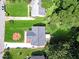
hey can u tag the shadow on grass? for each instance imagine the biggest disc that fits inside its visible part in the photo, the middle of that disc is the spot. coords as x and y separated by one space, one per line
69 38
59 36
40 53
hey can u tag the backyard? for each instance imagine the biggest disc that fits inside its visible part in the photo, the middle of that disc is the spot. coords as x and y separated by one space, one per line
46 3
16 7
19 26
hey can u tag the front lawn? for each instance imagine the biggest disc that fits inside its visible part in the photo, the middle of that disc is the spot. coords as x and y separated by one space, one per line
16 8
19 53
19 26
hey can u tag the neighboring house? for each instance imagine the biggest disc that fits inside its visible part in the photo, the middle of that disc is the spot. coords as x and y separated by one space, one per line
36 8
37 57
36 37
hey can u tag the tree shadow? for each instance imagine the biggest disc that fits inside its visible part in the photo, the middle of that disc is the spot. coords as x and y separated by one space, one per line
39 24
64 36
59 36
39 53
69 37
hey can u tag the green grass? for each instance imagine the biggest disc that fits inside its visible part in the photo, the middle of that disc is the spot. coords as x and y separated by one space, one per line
46 3
19 26
17 8
15 53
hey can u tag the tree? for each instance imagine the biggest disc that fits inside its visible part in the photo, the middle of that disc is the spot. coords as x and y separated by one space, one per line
64 44
63 14
58 46
7 54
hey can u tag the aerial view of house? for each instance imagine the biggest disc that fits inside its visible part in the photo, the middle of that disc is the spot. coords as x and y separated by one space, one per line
36 36
39 29
28 8
20 32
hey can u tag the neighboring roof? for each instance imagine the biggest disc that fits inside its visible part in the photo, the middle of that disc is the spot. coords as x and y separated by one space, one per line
30 33
36 8
42 11
37 57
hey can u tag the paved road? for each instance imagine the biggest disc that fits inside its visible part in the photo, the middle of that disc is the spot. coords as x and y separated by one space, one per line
2 25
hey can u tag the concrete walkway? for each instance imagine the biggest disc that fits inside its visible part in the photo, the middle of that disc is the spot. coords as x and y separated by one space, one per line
24 44
18 18
17 45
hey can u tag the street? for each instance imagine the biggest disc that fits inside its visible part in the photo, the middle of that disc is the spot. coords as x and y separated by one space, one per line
2 25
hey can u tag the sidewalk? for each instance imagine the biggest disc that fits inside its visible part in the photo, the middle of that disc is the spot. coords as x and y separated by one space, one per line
18 18
17 45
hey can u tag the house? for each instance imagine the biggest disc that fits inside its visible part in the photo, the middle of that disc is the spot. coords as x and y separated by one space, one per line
37 57
36 37
36 8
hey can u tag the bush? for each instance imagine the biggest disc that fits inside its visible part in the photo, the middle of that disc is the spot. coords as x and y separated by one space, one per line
7 55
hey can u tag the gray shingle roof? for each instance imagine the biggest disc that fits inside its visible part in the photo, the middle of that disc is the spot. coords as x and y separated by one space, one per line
42 11
39 39
30 33
36 8
37 57
37 35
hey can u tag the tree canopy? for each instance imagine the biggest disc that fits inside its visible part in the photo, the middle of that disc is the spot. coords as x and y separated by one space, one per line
64 44
63 22
63 14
